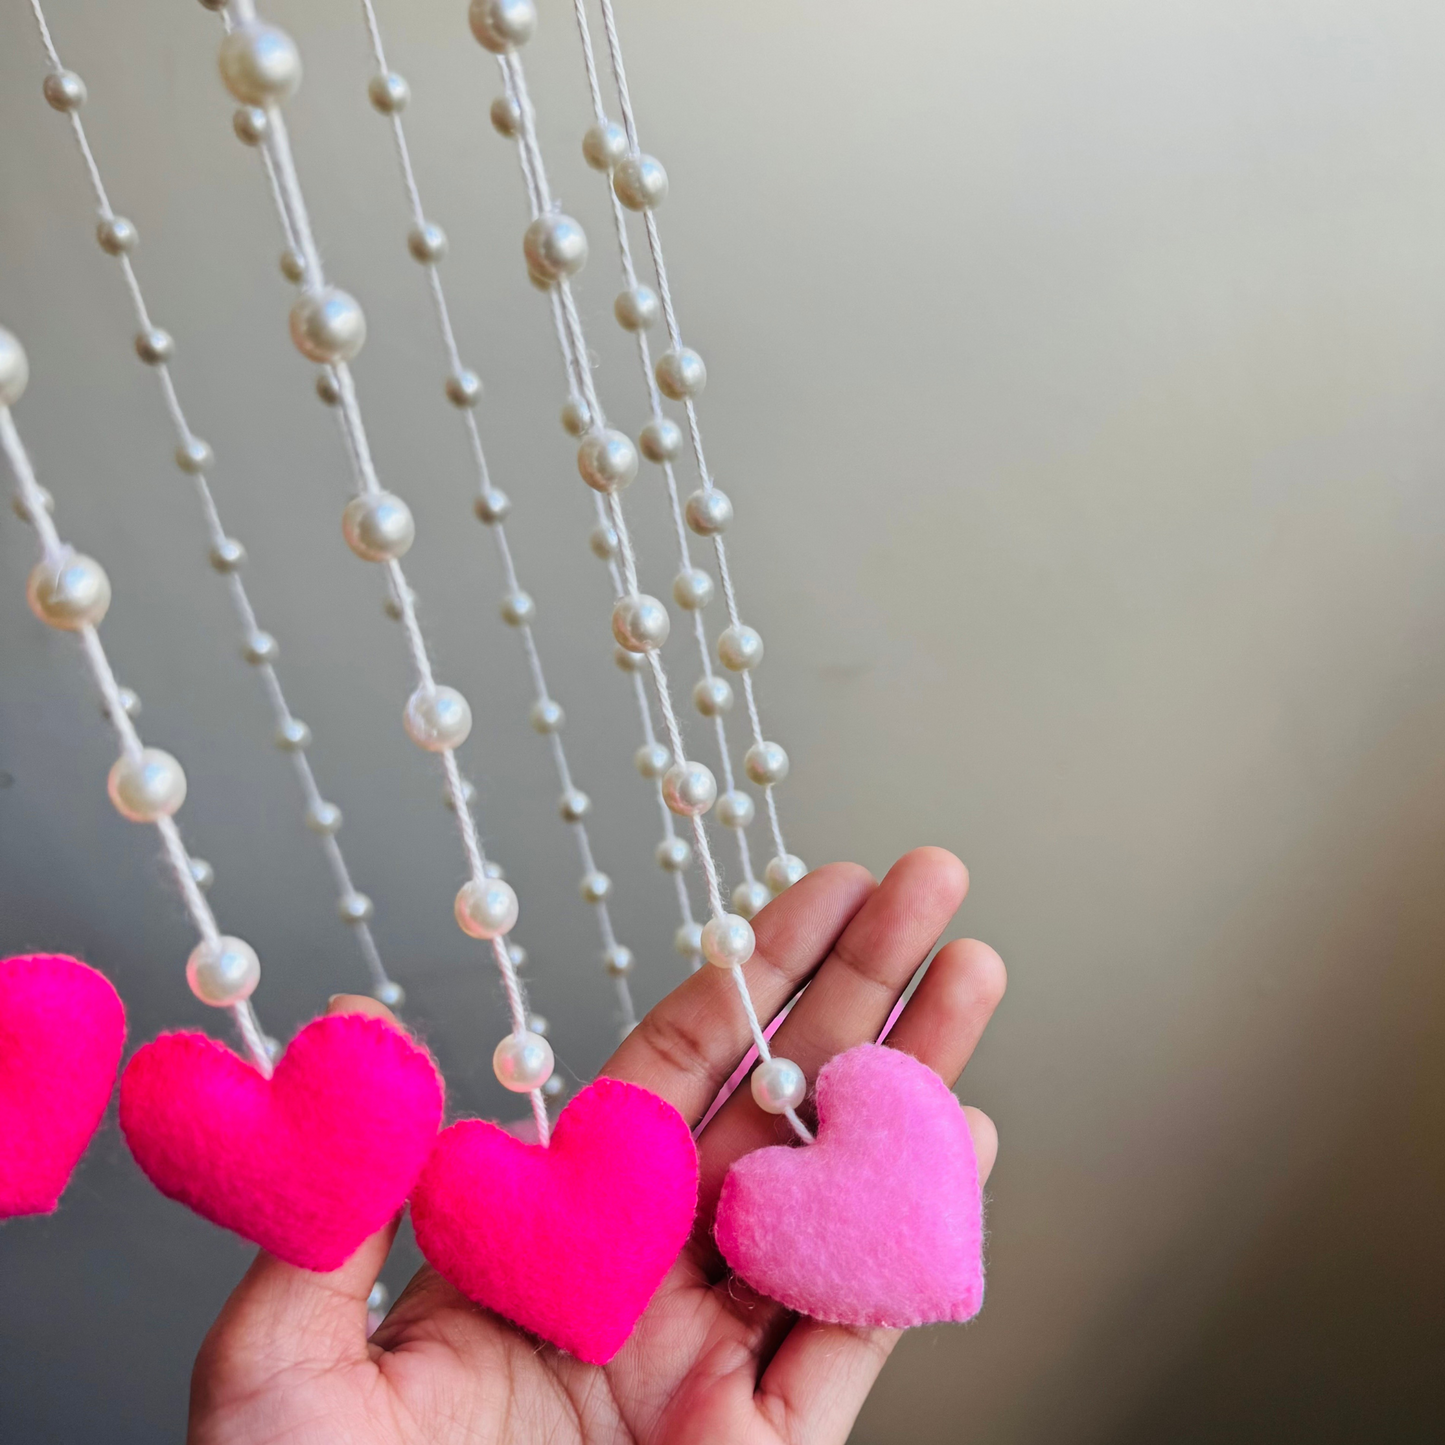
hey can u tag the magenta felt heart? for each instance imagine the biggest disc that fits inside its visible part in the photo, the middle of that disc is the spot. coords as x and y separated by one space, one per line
880 1222
307 1163
62 1028
569 1241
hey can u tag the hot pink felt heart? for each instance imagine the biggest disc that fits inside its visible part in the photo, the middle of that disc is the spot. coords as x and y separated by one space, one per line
880 1222
62 1028
569 1241
307 1163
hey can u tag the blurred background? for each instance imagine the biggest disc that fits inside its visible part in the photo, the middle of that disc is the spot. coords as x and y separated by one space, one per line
1076 372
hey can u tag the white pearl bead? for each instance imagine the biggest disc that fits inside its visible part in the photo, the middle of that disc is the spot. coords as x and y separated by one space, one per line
147 788
117 236
652 760
154 347
640 182
464 388
502 25
492 506
355 907
506 116
439 720
323 817
555 246
518 609
194 457
688 940
488 909
388 93
553 1089
640 623
327 389
523 1062
674 854
740 648
293 736
328 325
226 976
681 373
618 960
202 873
604 542
629 661
736 810
378 526
660 440
749 899
692 589
469 796
766 763
260 64
492 869
392 994
517 954
574 805
71 595
427 243
547 716
712 696
129 703
782 872
537 1024
689 788
604 145
21 507
576 417
727 939
14 369
64 90
607 460
258 647
637 309
293 266
778 1085
708 512
251 124
595 887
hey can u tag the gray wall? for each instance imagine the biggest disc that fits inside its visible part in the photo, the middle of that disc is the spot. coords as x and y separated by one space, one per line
1077 373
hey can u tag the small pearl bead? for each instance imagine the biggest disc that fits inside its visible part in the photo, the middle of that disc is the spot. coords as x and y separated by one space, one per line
323 817
64 90
380 1296
554 1088
327 389
640 182
464 389
547 716
604 542
502 25
574 805
129 703
117 236
202 873
517 954
637 309
607 460
674 854
378 526
486 910
660 440
778 1085
652 760
260 64
492 869
782 872
595 887
740 648
629 661
576 417
355 908
712 696
688 940
293 266
518 609
14 369
225 977
293 736
328 326
21 507
727 940
523 1062
437 721
692 589
708 512
388 93
506 116
735 810
427 243
154 347
392 995
251 124
618 960
258 647
537 1024
749 899
640 623
766 763
150 787
70 596
555 246
194 457
469 796
492 506
689 788
604 145
681 373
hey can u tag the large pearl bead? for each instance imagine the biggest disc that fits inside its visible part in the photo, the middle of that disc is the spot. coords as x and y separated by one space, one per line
438 720
574 805
674 854
117 236
709 512
427 243
555 246
736 810
64 91
71 595
637 309
660 440
378 526
618 960
749 899
681 373
766 763
547 716
523 1062
604 145
506 116
712 696
14 369
146 788
604 542
692 589
595 887
778 1085
260 64
488 909
740 648
328 325
640 182
388 93
727 940
640 623
502 25
688 940
651 759
689 788
576 417
782 872
225 976
607 460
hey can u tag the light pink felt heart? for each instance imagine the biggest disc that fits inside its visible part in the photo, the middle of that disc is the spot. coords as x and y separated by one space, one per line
62 1028
572 1240
307 1163
880 1221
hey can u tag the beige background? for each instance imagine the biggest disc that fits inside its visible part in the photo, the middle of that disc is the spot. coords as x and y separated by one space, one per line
1076 371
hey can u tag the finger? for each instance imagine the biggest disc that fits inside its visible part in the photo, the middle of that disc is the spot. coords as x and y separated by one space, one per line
687 1046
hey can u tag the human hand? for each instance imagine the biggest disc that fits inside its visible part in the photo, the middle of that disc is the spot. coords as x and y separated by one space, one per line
711 1362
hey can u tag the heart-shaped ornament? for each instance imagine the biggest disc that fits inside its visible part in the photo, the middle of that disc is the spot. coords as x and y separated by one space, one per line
307 1163
880 1221
62 1028
570 1240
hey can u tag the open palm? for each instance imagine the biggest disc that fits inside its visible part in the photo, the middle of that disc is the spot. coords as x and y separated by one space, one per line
288 1361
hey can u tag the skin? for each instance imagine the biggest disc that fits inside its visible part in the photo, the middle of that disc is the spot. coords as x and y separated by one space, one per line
710 1363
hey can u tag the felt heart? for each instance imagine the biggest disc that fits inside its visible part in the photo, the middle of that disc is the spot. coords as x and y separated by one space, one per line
307 1163
880 1221
62 1028
570 1240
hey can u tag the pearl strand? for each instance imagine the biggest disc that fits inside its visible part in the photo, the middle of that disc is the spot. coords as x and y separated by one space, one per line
118 237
